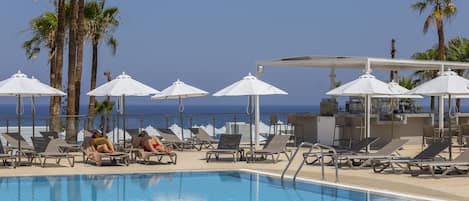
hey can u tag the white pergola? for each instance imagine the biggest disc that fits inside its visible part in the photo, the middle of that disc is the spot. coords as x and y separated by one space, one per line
367 64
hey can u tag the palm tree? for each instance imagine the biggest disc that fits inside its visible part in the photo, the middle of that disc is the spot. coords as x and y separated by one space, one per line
43 29
458 50
56 72
101 23
80 41
440 10
72 54
103 108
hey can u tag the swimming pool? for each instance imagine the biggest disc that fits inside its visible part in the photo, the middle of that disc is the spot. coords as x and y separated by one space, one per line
181 186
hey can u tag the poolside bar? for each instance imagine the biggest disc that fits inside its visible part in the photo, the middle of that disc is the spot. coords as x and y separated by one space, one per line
409 124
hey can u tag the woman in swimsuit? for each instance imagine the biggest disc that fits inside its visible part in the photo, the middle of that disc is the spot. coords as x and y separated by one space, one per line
153 144
102 143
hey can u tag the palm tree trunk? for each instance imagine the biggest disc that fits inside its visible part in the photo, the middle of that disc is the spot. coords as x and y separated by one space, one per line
59 42
72 53
441 40
52 77
94 72
79 67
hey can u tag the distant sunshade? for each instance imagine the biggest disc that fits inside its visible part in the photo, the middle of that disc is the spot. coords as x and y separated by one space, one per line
179 89
249 86
123 85
364 85
398 92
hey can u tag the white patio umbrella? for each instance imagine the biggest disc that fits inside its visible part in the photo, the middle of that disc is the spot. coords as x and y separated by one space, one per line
448 83
398 92
20 85
122 86
250 86
366 86
180 90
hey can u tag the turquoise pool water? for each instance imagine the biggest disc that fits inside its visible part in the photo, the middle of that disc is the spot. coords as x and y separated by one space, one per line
180 186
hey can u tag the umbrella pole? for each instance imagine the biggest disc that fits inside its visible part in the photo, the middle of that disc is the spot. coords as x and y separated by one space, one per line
392 118
123 117
181 120
250 126
450 135
367 127
18 110
33 112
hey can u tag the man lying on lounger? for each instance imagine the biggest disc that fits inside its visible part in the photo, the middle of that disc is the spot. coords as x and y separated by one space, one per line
153 144
102 143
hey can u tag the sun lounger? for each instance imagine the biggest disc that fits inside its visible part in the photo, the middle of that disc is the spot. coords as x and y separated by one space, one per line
202 138
61 143
90 153
354 149
7 157
13 142
49 134
452 165
49 148
428 154
146 155
276 145
387 151
229 144
170 138
65 147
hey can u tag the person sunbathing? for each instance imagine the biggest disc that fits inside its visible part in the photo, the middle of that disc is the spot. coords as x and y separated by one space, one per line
102 143
153 144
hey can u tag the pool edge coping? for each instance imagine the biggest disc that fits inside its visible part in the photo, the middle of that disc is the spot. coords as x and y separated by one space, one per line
307 180
360 188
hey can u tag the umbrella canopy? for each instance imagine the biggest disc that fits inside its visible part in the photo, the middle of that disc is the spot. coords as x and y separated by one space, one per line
178 90
366 84
20 84
123 85
250 86
448 83
398 91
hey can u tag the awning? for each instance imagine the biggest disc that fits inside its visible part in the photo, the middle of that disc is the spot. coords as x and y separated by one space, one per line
362 62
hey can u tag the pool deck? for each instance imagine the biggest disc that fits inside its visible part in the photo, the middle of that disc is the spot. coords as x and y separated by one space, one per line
446 188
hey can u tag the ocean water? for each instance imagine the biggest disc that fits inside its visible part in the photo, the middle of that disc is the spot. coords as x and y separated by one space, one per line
188 186
160 114
212 118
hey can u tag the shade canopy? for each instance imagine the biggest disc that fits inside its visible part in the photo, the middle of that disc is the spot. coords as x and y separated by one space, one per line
20 84
123 85
179 89
249 86
317 61
364 85
398 92
447 83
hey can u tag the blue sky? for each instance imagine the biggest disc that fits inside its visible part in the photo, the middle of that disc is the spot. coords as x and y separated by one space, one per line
212 43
